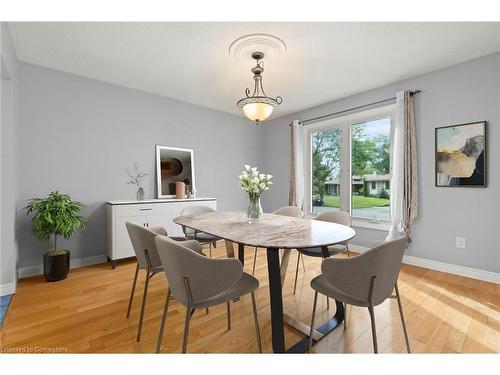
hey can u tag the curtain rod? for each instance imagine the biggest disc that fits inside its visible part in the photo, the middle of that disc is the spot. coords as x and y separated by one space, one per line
414 92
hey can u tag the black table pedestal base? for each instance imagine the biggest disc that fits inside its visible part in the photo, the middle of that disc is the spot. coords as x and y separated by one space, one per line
302 346
278 318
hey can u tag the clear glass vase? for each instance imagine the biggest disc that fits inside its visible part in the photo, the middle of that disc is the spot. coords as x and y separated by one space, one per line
254 212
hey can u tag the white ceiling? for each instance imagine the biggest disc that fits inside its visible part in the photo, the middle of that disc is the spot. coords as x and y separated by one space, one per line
190 61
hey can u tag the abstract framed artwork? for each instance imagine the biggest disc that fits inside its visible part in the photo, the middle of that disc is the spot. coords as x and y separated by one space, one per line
461 155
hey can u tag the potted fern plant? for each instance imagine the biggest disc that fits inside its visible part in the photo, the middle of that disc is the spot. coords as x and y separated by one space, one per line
54 216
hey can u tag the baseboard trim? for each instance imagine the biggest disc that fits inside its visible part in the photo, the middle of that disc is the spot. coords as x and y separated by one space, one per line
73 263
6 289
454 269
473 273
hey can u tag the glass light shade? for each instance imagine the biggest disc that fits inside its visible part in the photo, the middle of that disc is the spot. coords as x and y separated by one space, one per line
257 111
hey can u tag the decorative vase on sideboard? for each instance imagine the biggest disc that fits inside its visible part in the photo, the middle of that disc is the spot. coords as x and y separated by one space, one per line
180 190
140 194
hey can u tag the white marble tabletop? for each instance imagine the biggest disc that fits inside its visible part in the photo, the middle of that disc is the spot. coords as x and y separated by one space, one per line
272 231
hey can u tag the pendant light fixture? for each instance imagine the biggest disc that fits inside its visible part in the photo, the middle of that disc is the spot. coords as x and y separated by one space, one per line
258 107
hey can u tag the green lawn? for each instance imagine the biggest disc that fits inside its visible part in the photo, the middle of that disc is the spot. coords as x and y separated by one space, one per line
358 201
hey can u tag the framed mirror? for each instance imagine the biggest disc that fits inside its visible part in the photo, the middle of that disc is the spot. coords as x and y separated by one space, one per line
173 164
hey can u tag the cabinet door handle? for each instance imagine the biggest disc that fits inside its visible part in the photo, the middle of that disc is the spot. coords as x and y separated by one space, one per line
145 209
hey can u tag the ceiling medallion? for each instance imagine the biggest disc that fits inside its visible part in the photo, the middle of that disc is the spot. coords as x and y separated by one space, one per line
243 47
258 107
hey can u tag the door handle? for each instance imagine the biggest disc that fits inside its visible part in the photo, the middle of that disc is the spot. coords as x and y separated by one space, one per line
145 209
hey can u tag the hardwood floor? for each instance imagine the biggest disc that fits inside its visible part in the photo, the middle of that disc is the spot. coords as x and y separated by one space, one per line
86 314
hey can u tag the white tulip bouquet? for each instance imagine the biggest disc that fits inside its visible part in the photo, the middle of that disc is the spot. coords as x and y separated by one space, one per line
254 184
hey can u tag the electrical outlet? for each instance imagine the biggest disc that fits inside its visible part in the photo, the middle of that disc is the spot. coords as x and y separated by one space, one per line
460 242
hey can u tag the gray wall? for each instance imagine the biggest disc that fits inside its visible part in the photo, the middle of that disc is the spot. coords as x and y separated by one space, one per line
77 135
466 92
9 177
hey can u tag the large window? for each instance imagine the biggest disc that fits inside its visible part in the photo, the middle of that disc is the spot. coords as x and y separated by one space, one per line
348 165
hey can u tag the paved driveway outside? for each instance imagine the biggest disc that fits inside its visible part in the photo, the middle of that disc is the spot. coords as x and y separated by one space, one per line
371 213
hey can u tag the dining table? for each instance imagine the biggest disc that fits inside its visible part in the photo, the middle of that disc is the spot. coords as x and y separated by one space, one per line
272 233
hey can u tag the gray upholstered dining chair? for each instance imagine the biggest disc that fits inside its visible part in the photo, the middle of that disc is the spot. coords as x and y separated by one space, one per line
365 280
200 282
291 211
142 239
191 234
337 217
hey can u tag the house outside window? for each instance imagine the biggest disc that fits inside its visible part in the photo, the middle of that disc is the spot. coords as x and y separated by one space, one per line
347 162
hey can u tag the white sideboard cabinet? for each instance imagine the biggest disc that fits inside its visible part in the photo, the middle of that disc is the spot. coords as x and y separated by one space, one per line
149 213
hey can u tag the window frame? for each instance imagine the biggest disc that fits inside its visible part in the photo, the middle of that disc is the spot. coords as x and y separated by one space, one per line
344 123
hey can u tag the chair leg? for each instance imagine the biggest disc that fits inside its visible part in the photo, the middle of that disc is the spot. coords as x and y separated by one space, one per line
345 316
141 318
254 261
228 304
327 299
189 314
256 320
296 273
210 249
303 263
312 320
163 319
374 329
133 290
408 349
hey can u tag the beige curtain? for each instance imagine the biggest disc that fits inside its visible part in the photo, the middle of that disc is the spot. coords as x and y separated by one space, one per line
410 193
404 179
